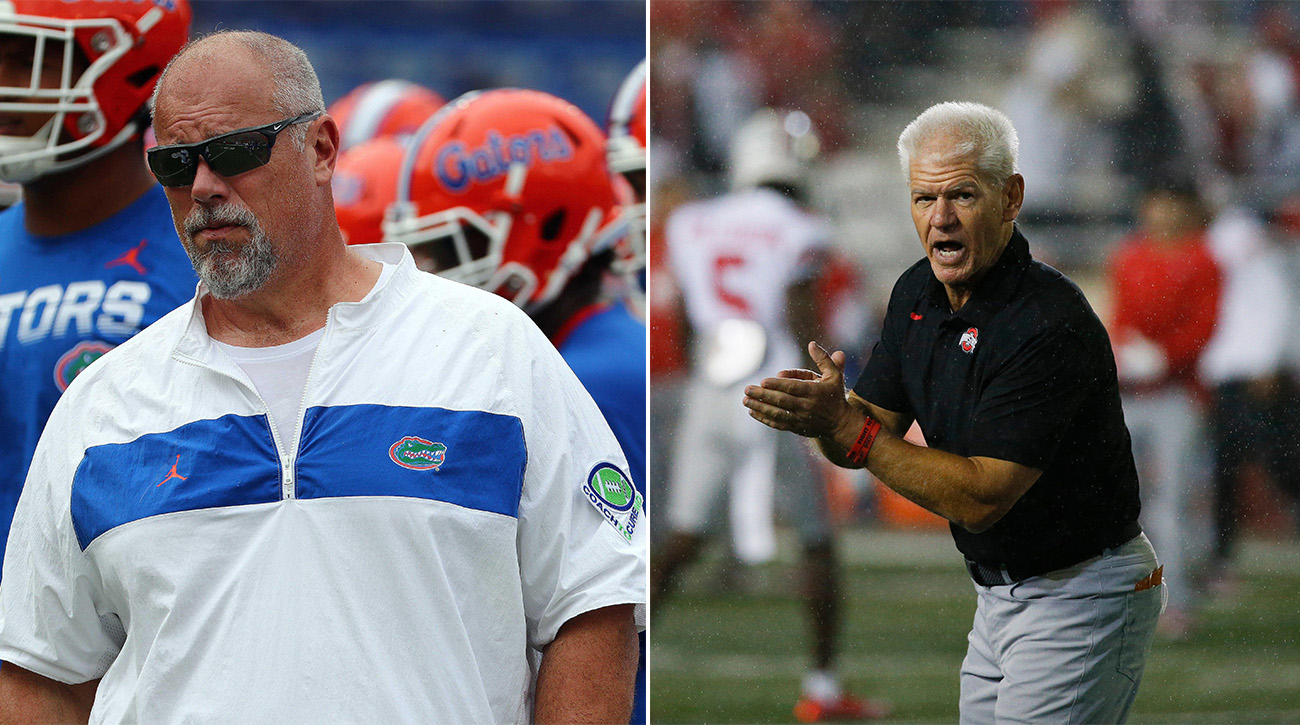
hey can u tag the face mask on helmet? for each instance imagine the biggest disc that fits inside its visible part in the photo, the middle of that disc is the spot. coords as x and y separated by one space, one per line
627 124
77 76
629 251
455 243
507 190
626 155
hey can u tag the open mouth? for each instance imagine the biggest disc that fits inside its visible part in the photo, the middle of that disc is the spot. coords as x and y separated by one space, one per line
948 252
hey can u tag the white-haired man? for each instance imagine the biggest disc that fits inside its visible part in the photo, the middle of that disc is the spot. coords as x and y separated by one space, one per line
332 488
1012 379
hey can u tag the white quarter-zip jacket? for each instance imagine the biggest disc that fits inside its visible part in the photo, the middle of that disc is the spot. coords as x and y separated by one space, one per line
454 498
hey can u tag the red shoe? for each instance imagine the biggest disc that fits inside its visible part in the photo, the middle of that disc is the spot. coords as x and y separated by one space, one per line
847 707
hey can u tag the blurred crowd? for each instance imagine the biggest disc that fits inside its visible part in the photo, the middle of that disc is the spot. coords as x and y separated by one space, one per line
1160 144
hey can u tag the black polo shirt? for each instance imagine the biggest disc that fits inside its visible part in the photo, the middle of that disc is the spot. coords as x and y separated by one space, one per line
1023 372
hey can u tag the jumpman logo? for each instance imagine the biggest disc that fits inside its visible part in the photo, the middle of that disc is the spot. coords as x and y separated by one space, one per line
131 258
172 474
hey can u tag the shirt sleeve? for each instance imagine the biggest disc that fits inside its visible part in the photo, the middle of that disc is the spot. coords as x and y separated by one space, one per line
1029 405
54 620
1191 322
582 533
881 381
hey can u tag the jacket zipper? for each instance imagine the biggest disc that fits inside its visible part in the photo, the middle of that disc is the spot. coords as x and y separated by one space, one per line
288 482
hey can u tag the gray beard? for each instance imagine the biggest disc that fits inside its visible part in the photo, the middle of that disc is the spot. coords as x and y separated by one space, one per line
228 278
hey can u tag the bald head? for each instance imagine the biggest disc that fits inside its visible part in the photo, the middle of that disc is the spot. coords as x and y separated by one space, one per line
259 68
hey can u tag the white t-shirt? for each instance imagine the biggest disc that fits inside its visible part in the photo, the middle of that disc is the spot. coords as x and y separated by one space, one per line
279 373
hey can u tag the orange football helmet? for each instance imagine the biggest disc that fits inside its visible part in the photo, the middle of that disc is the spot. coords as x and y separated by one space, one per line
507 190
365 183
384 108
124 46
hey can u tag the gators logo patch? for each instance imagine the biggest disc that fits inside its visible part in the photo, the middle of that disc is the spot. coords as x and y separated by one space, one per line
72 362
418 454
613 495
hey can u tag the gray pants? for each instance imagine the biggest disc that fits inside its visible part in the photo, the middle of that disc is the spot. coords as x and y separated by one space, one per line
1065 647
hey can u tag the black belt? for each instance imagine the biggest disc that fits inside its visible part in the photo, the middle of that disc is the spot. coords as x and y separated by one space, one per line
992 576
987 576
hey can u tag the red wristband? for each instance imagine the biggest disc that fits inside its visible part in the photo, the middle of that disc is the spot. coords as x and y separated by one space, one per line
867 436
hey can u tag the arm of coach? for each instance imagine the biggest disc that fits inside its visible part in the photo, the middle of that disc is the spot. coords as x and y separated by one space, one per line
974 492
28 697
604 641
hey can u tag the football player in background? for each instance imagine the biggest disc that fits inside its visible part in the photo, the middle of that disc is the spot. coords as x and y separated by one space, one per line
626 153
392 108
508 190
519 202
748 263
376 123
89 257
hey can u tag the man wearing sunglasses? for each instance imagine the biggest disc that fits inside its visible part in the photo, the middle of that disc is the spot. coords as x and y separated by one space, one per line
331 488
89 256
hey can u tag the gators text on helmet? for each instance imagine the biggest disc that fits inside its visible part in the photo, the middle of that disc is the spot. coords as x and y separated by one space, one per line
507 190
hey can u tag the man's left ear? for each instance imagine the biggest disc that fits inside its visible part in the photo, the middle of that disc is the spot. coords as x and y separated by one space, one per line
326 148
1014 196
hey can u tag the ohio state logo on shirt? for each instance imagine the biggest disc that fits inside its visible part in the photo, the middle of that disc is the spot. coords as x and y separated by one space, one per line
968 340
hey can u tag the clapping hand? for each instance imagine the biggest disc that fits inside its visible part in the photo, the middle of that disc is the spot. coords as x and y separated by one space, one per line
811 404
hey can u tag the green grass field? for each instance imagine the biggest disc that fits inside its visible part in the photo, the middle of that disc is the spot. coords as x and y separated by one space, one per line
726 657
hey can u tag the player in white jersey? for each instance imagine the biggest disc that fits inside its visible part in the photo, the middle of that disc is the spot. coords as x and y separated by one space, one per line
747 263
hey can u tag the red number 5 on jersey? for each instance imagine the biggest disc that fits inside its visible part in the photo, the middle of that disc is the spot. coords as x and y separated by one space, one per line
725 295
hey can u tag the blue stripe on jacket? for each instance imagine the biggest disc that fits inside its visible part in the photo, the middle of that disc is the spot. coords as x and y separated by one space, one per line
472 459
347 450
226 461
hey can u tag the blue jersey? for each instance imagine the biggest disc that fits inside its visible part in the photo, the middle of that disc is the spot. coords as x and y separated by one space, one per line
66 300
606 349
605 345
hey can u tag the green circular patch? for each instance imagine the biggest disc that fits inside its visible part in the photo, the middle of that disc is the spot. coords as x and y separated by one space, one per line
612 487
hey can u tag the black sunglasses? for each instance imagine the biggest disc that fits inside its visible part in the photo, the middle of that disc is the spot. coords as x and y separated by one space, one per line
229 154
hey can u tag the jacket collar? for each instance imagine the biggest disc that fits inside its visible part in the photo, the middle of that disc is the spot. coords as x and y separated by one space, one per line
376 306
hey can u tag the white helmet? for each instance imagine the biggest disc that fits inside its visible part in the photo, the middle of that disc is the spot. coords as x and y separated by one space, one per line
773 147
